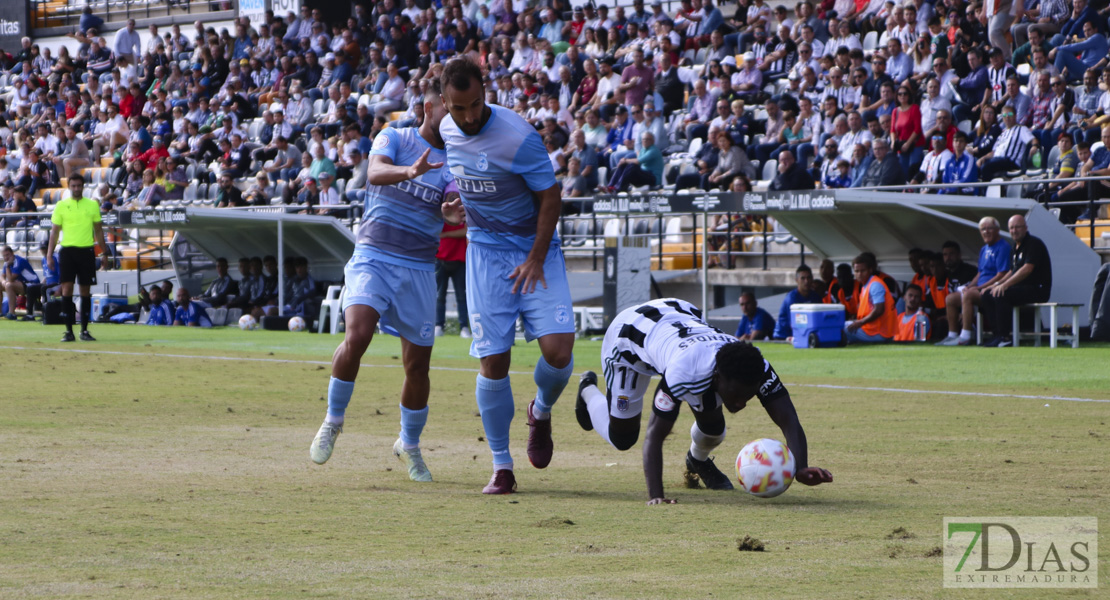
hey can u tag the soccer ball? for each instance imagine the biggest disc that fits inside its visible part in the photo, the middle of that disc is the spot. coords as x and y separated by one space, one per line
296 324
765 468
247 323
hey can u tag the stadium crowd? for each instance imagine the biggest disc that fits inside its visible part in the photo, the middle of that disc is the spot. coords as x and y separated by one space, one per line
837 93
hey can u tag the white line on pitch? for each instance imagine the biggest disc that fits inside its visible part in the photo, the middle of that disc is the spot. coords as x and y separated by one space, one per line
469 370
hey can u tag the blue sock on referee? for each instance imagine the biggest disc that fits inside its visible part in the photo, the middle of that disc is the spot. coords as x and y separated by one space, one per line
495 404
339 396
412 425
549 384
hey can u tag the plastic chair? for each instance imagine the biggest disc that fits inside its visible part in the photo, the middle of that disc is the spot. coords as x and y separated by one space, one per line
870 41
332 307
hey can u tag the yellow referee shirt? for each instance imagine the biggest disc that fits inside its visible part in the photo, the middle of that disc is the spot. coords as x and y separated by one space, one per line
76 219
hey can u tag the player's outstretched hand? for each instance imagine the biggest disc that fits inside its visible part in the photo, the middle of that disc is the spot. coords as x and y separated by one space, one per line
813 476
655 501
526 275
453 212
422 166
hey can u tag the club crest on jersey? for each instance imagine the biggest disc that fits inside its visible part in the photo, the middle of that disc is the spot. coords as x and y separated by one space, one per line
622 403
381 142
562 315
664 402
483 161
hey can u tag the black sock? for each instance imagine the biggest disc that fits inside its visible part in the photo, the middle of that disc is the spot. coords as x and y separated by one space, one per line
86 309
70 310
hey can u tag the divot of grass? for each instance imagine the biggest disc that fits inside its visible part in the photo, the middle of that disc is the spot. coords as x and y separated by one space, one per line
750 544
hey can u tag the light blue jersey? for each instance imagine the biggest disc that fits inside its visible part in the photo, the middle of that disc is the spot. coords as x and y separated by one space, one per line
497 173
401 223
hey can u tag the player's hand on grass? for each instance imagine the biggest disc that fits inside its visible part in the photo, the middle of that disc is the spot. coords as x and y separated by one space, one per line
813 476
422 166
526 275
655 501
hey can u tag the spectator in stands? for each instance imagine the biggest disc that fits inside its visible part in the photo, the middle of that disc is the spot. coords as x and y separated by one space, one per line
1092 50
755 323
963 302
960 168
218 290
932 167
229 195
1011 150
885 169
644 169
189 313
876 321
18 278
1028 280
731 161
802 294
791 175
907 132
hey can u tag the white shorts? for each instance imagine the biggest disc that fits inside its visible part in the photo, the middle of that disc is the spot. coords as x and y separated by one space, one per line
626 376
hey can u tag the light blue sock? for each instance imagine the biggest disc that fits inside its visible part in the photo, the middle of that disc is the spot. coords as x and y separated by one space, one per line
339 396
412 424
550 383
495 403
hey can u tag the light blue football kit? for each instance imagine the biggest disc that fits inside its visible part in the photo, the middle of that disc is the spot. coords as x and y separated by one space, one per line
498 173
393 266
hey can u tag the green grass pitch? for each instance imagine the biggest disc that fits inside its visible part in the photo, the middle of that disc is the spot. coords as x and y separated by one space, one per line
173 463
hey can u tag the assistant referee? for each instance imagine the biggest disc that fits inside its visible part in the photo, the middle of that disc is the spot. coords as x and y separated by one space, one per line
77 219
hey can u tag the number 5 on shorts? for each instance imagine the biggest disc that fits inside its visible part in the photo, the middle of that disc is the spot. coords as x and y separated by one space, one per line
476 326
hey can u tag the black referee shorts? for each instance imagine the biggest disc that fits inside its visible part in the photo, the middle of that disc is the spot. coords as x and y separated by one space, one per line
77 265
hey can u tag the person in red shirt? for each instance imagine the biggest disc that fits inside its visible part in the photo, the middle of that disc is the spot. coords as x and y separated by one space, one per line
156 153
451 266
132 103
905 130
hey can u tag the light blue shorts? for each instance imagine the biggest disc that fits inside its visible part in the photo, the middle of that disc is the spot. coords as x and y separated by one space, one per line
494 308
404 297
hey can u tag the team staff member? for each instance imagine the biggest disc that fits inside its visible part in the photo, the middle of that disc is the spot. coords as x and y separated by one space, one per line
876 320
77 219
1029 280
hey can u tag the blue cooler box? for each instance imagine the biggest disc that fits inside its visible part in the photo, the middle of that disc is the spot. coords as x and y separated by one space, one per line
818 325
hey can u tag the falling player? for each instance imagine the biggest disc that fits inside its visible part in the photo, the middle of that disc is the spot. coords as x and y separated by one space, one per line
701 366
391 277
514 263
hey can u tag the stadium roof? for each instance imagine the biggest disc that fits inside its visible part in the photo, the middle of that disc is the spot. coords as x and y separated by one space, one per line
230 233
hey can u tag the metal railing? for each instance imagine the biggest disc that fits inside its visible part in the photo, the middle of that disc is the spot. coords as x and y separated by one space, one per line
726 245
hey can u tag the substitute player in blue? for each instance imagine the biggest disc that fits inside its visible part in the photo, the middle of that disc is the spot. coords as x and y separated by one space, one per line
512 201
391 277
17 276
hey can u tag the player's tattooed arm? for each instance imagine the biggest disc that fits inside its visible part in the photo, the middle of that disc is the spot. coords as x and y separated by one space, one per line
782 412
657 431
